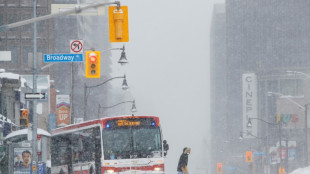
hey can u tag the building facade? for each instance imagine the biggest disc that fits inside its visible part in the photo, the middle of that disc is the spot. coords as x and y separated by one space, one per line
266 38
19 41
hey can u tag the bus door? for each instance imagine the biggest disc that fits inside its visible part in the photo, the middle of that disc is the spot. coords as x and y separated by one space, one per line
61 156
86 151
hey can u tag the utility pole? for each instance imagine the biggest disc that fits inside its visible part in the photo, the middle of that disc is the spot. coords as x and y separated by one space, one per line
72 94
280 134
85 101
306 133
34 108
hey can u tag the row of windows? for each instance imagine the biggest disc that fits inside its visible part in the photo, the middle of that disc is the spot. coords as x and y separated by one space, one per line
24 55
12 15
80 146
287 87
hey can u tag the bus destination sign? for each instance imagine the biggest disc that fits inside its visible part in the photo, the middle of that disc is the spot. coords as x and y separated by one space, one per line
128 123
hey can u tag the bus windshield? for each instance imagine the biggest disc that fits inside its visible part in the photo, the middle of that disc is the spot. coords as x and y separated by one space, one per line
131 142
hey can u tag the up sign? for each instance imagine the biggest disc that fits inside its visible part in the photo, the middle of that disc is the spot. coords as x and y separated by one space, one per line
62 110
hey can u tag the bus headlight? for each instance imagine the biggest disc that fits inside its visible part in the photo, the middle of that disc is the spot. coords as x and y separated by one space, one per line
109 171
158 169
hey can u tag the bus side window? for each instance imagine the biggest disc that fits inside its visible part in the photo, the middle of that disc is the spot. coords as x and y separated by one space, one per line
75 151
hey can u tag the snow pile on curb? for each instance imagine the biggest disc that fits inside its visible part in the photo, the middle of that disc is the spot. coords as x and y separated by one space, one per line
305 170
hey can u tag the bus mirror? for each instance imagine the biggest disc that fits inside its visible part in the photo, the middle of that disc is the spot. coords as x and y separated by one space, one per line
166 147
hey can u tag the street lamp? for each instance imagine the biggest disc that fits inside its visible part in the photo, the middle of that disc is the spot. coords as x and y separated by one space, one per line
288 97
133 107
297 72
250 134
124 87
122 60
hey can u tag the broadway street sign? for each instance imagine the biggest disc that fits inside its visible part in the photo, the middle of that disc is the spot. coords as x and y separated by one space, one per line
29 96
63 57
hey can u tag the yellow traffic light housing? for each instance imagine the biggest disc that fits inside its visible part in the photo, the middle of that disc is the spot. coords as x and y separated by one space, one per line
118 24
219 168
92 64
24 118
248 156
281 170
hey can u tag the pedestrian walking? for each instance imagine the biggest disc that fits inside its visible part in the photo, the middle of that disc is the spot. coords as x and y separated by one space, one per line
182 165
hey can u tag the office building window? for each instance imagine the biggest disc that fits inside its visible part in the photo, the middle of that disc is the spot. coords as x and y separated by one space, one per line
2 45
13 3
28 27
292 87
14 54
26 3
11 19
41 26
2 3
26 50
1 19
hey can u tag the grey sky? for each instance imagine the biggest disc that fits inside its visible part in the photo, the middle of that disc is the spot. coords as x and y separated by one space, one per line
169 72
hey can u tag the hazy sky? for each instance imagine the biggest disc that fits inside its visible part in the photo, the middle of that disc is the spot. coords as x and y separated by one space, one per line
168 72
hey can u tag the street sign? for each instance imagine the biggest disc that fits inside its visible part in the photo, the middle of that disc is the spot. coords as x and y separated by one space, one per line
63 57
41 168
259 153
76 46
29 96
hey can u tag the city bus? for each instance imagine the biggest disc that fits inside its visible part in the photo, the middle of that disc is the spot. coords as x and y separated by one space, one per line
113 145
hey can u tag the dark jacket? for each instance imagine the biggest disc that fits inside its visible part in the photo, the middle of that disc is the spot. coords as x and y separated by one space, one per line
182 162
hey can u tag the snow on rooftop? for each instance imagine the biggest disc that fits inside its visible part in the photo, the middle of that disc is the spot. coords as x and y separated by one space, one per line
9 75
305 170
2 118
23 81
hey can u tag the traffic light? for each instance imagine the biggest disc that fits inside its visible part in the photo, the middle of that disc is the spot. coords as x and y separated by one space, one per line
24 118
219 168
248 156
92 64
281 170
118 24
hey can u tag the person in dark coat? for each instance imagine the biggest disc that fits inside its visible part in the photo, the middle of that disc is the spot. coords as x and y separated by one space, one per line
183 161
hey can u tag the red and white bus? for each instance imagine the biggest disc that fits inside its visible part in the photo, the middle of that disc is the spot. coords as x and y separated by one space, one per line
114 145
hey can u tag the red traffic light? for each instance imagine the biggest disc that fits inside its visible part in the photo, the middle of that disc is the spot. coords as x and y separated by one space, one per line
219 168
92 57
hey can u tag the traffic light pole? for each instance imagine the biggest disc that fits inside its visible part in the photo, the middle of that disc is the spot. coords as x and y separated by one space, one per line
78 9
34 108
306 133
